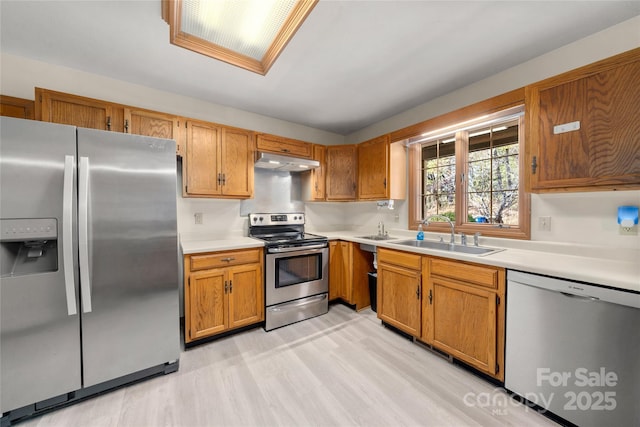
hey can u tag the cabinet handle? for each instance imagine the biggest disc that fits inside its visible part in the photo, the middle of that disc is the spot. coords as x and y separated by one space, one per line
224 179
228 259
219 179
430 297
418 292
285 150
230 286
534 165
226 286
126 126
108 122
385 183
354 186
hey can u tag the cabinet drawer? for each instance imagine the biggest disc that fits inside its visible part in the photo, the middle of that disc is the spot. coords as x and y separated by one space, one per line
279 145
403 259
224 259
473 274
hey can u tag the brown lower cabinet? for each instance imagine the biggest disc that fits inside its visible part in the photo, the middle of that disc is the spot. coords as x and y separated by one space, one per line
223 291
455 306
348 268
399 289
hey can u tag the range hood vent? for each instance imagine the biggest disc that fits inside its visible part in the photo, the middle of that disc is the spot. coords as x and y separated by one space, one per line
278 162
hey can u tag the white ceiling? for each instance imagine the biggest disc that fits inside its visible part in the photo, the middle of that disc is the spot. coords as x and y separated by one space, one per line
351 64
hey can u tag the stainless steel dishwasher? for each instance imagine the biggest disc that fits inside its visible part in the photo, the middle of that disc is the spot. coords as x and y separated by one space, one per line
574 349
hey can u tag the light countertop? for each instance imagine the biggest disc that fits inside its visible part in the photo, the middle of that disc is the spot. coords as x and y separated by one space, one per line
575 262
227 244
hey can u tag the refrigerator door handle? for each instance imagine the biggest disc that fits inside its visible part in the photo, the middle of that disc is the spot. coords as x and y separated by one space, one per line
83 233
67 235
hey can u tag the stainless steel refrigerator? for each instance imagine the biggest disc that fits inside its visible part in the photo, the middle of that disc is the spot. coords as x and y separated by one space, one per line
89 264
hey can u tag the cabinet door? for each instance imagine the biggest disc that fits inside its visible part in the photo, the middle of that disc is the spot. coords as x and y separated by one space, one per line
151 123
203 176
602 153
237 162
207 300
345 291
78 111
335 270
17 107
318 175
464 322
284 146
373 169
399 297
342 167
246 301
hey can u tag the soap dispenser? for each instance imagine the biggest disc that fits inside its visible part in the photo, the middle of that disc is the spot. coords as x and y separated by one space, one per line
420 235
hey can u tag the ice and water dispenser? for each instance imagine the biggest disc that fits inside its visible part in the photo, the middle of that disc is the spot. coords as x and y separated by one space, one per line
28 246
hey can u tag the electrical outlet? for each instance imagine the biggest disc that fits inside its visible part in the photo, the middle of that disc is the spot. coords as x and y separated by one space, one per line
198 217
629 231
544 223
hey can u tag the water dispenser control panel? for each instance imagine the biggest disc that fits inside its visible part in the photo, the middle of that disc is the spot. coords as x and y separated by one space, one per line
23 229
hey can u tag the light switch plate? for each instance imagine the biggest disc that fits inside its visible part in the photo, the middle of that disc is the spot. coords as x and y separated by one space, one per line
198 217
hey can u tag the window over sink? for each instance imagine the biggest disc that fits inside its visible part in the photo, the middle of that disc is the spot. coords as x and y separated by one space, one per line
471 171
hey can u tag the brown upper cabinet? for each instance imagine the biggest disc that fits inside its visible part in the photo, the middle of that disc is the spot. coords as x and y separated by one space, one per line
342 167
17 107
219 161
382 170
284 146
313 181
152 123
58 107
584 132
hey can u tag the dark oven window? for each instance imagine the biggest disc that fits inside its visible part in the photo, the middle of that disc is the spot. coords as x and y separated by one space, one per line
298 269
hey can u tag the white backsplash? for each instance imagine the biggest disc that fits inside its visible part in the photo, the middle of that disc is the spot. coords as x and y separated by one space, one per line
582 218
586 218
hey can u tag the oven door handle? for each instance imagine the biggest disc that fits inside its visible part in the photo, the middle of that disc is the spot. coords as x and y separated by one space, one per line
296 249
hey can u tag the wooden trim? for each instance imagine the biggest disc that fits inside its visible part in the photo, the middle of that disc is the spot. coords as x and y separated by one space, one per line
27 105
172 14
589 70
295 19
491 105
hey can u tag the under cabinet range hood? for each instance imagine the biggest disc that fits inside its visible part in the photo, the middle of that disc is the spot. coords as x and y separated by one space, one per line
284 163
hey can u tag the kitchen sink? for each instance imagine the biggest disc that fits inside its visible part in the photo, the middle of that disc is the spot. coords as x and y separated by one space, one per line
442 246
377 237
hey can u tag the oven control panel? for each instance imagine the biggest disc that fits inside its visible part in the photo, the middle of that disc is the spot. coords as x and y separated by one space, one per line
276 219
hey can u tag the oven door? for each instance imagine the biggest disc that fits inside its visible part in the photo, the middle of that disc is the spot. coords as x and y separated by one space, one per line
296 272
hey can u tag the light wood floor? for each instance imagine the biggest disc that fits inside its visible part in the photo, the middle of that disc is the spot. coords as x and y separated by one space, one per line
340 369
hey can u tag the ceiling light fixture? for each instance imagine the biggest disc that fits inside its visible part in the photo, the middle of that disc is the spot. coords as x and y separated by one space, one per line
249 34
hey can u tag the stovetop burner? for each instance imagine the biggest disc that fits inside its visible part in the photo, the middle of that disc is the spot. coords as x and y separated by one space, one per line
281 229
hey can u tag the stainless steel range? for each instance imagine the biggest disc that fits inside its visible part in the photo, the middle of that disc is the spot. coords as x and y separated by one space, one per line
296 268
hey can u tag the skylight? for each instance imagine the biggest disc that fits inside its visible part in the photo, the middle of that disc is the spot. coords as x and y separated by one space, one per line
245 33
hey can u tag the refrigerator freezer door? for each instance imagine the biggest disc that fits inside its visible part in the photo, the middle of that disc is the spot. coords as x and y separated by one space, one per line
39 339
132 254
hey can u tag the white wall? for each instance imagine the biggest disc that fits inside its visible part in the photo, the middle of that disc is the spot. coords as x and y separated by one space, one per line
589 218
19 76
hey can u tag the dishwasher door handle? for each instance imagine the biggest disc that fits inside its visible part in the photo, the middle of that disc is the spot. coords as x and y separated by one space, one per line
584 297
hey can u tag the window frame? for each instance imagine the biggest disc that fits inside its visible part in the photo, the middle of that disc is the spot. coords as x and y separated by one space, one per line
493 105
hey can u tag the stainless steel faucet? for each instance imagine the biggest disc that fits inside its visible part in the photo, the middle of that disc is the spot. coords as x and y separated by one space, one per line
430 219
463 239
